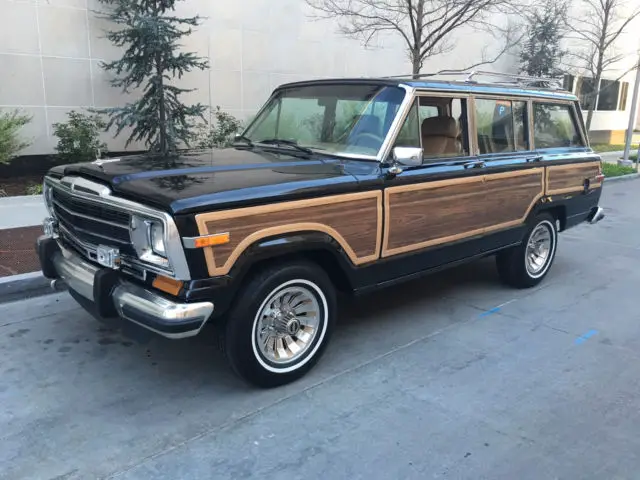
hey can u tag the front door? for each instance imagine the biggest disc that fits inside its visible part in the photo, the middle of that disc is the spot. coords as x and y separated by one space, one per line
457 204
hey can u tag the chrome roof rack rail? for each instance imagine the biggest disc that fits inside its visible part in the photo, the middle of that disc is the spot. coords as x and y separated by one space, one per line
509 78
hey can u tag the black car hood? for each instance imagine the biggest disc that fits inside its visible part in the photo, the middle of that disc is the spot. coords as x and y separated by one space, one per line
216 179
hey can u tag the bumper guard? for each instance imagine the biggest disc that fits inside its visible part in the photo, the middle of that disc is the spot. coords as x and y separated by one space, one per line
130 301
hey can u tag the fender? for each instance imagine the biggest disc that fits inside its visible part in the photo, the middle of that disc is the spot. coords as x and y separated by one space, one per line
313 245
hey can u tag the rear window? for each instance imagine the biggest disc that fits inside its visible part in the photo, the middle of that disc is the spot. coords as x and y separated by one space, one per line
501 125
554 126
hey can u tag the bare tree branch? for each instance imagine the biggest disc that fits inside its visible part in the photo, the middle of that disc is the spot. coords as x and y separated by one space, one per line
426 26
600 25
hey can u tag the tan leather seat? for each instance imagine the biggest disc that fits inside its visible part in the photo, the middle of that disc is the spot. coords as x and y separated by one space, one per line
440 136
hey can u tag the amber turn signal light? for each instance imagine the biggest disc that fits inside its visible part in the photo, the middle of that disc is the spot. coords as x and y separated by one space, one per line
168 285
211 240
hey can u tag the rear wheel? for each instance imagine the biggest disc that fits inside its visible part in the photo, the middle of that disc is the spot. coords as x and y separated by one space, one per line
281 323
527 264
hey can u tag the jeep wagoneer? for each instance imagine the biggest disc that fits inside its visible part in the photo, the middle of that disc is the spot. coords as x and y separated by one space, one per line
336 185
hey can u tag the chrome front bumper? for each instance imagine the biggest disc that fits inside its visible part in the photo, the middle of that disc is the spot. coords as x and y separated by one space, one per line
132 302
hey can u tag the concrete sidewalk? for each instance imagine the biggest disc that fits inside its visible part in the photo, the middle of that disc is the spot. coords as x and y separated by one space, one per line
23 211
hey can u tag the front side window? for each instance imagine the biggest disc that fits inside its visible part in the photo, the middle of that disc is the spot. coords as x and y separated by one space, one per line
501 125
444 130
554 126
348 119
438 125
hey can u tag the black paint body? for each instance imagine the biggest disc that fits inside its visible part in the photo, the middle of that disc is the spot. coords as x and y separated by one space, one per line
214 180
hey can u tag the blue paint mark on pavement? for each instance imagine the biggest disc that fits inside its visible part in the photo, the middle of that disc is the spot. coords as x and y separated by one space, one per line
583 338
489 312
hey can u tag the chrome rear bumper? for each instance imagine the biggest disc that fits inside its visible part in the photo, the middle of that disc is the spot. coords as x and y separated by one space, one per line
597 214
131 302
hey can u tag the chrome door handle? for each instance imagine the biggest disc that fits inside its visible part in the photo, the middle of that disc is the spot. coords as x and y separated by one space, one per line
474 164
534 159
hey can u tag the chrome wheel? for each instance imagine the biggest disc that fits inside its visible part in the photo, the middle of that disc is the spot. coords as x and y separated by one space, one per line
539 249
288 325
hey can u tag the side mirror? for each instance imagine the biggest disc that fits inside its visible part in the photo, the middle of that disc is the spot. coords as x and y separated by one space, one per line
408 155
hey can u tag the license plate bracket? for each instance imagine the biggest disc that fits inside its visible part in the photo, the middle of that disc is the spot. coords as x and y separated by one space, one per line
108 257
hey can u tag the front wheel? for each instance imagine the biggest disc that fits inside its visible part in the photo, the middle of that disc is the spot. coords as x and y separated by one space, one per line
281 323
527 264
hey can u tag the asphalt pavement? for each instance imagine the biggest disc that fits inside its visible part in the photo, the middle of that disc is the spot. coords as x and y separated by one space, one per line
453 376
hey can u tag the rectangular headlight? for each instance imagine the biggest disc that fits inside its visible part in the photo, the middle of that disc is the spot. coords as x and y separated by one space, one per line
147 236
156 236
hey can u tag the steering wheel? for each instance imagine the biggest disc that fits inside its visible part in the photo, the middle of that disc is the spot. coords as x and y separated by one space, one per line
371 140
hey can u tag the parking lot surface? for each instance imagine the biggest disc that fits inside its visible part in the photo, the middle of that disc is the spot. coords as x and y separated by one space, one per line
451 376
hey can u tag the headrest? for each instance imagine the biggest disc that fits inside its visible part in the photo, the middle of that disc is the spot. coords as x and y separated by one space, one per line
439 127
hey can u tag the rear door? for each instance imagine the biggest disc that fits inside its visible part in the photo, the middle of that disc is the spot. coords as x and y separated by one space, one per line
514 173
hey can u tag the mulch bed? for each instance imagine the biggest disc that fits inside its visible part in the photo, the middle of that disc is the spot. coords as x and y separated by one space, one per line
15 186
17 250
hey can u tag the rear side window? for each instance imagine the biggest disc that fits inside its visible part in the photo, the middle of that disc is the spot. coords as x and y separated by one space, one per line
501 125
554 126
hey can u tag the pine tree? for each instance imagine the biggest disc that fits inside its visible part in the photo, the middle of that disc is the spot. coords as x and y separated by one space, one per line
541 53
150 35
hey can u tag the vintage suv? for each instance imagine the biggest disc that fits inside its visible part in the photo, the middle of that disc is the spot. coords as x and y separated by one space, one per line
336 185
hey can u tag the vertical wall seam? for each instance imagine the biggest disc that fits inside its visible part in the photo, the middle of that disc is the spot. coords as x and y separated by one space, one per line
40 56
86 14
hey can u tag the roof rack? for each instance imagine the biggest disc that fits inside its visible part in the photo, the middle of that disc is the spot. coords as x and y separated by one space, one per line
521 80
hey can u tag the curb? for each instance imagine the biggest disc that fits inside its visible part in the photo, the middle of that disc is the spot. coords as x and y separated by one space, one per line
24 286
622 178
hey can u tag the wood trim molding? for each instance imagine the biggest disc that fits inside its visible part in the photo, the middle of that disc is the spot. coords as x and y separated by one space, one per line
387 252
214 269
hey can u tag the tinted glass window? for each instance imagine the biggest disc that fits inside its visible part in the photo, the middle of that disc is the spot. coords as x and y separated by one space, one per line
350 119
444 130
409 135
554 126
501 125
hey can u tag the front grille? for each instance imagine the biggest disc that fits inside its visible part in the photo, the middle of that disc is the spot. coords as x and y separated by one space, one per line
86 224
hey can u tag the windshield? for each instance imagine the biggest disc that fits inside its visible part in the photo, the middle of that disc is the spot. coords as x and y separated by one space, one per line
336 119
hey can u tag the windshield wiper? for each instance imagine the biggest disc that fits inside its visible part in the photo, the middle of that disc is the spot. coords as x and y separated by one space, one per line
290 143
247 140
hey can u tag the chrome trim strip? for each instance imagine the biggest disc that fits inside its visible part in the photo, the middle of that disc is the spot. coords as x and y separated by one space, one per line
398 122
103 196
94 219
190 242
105 237
79 274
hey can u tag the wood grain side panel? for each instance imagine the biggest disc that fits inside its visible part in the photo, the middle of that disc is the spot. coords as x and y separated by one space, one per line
353 220
570 178
509 199
418 216
434 213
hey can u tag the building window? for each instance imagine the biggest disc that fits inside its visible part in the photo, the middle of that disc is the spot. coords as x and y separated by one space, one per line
586 92
568 82
610 96
623 96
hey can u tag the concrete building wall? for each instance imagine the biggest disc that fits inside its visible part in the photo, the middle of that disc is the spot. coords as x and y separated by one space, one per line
50 54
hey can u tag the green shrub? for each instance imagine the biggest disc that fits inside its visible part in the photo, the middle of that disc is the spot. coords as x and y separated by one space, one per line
615 170
79 137
10 142
34 189
219 134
